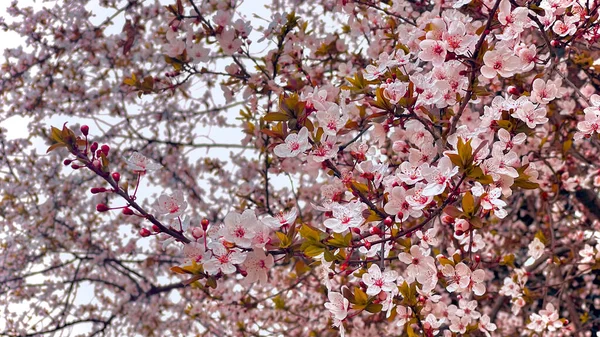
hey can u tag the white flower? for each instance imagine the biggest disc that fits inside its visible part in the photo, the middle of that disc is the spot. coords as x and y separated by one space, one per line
295 143
140 164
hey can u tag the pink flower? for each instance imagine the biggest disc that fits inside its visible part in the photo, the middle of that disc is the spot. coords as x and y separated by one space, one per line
257 265
281 219
295 143
438 177
138 163
459 277
337 305
503 63
565 28
405 314
194 251
345 216
240 228
434 51
419 265
531 115
172 205
223 259
486 326
332 119
377 281
543 92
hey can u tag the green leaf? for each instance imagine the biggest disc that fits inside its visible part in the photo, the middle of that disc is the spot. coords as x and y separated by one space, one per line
360 296
468 204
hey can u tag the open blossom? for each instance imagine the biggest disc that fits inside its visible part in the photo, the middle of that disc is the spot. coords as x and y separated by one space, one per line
194 251
240 228
419 265
398 206
257 265
591 123
345 216
138 163
434 51
497 62
377 281
331 120
438 177
531 115
295 143
536 250
543 92
404 315
337 305
281 219
223 259
459 277
172 205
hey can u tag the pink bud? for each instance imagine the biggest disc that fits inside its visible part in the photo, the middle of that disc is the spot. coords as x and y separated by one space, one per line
388 221
197 232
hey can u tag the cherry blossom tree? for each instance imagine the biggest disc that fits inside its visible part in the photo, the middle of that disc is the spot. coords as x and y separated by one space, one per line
405 168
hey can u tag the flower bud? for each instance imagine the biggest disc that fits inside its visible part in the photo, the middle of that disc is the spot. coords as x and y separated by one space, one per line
367 244
67 162
376 230
145 232
204 223
388 221
197 232
116 176
94 147
155 229
75 166
127 211
85 129
96 190
104 148
102 208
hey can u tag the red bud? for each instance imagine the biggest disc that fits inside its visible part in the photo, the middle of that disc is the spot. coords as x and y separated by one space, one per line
388 221
102 208
96 190
67 162
85 129
145 232
155 228
104 148
204 223
127 211
116 176
94 147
